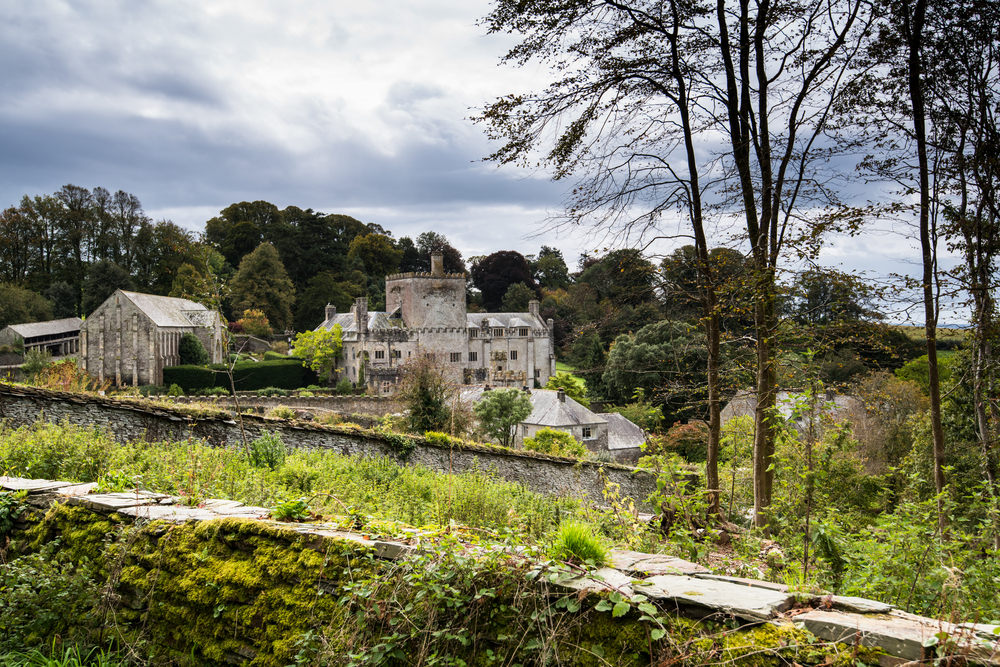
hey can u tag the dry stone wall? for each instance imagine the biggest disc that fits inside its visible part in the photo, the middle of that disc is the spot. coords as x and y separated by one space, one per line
131 420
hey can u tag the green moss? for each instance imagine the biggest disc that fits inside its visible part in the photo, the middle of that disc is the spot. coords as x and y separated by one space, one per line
242 591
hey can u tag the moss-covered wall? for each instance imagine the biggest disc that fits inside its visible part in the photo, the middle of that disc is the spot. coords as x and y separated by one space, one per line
238 591
136 420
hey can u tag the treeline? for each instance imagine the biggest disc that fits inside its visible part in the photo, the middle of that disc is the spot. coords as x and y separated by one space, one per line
61 255
630 324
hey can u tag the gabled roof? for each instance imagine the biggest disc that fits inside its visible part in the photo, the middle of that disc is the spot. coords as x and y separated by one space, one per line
67 325
168 311
349 323
548 410
623 433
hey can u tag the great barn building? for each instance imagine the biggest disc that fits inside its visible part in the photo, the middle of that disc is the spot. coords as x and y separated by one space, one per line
131 337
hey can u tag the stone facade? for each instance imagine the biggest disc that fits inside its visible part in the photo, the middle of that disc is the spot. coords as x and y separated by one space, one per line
131 337
426 314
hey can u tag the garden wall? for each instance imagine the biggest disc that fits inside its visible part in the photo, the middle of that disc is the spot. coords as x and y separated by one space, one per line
136 419
376 406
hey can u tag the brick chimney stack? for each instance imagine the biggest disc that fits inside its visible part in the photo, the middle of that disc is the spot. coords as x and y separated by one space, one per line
437 264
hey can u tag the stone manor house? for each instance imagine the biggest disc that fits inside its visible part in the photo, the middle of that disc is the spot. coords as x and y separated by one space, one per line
426 314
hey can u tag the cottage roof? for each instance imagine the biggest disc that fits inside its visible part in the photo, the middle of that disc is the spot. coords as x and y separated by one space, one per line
623 433
169 311
548 410
67 325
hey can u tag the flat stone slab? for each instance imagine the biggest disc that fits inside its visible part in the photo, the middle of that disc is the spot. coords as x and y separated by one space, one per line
31 485
243 511
653 564
113 502
859 605
897 633
77 489
721 597
220 504
173 513
601 579
752 583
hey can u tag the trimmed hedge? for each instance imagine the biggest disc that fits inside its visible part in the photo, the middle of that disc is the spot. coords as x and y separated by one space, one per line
247 375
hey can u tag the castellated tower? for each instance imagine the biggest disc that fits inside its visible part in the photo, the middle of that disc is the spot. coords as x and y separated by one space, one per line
426 300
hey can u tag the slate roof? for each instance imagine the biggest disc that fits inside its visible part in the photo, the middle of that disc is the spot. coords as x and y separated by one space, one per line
349 323
168 311
622 433
506 320
67 325
548 410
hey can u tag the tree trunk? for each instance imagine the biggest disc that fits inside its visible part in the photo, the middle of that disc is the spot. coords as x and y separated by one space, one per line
914 27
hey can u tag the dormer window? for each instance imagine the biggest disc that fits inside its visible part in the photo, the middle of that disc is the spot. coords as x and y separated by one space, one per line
473 333
523 331
498 333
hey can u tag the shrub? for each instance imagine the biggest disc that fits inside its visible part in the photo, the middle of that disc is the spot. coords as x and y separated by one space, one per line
189 378
271 391
554 441
45 595
280 347
268 451
499 412
175 390
287 373
191 352
281 412
254 322
344 387
214 391
35 361
274 356
576 543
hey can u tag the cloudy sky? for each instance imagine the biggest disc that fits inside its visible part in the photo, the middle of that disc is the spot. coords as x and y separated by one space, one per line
344 107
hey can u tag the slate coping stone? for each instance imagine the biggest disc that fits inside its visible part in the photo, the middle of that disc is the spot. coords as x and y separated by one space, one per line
173 513
31 485
77 489
722 597
753 583
860 605
653 564
110 502
897 633
601 579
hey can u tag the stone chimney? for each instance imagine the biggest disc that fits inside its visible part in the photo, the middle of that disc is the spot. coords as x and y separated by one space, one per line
330 312
561 395
437 264
361 314
533 307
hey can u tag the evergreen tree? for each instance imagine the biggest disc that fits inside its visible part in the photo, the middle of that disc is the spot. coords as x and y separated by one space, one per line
261 283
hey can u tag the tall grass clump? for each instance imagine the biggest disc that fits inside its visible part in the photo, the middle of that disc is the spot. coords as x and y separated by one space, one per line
576 543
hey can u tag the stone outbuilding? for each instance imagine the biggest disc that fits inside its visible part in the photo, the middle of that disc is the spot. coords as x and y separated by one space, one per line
625 438
61 338
131 337
597 432
426 315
